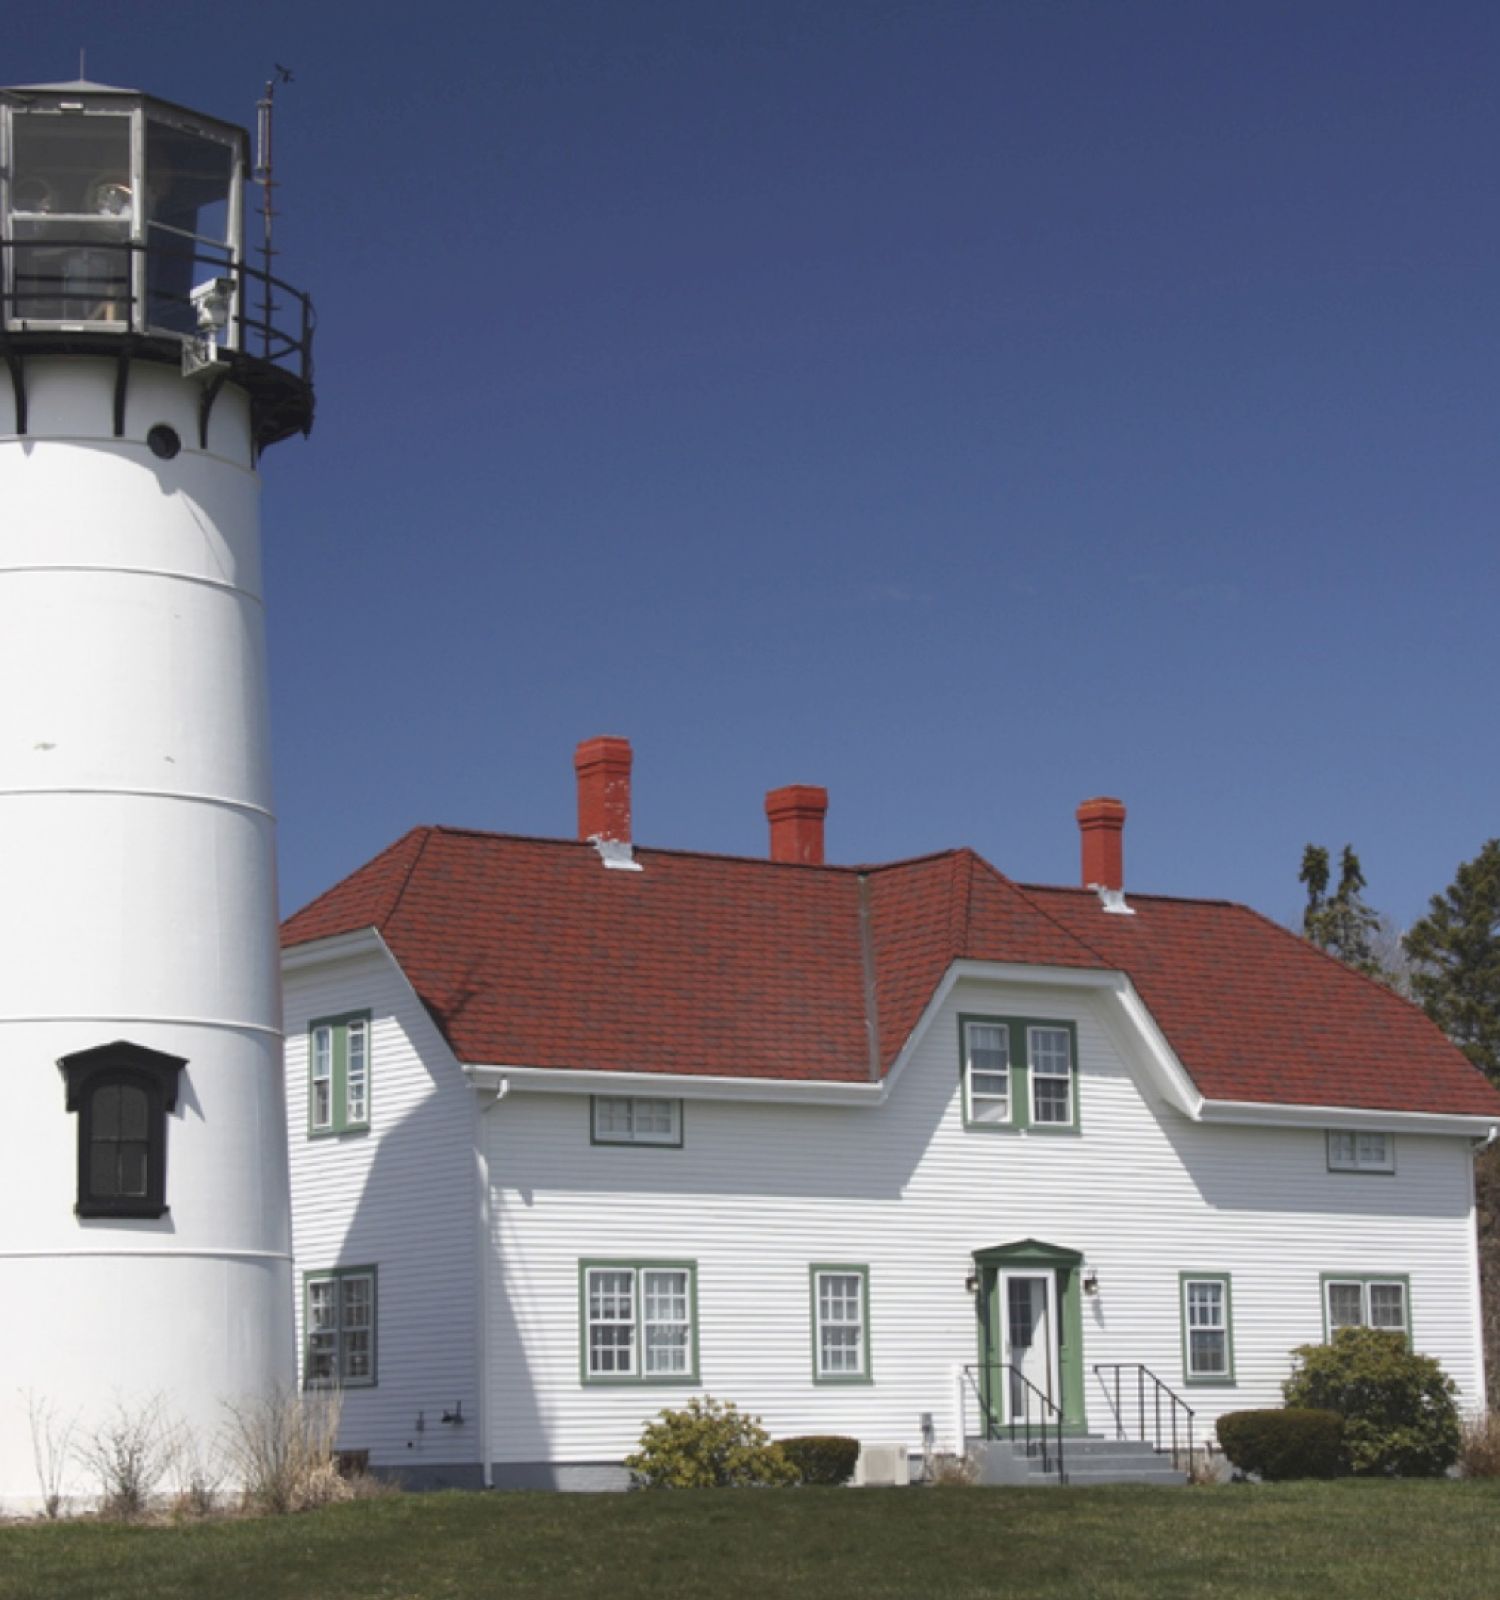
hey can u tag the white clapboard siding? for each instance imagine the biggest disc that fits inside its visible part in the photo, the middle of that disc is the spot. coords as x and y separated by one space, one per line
402 1197
759 1192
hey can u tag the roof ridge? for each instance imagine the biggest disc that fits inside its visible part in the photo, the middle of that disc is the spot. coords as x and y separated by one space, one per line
1133 894
1041 911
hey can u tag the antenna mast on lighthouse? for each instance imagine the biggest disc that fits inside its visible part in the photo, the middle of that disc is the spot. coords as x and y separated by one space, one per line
265 176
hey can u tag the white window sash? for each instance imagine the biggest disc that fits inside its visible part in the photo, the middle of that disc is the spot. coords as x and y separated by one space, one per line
322 1077
840 1300
987 1083
1045 1070
1206 1321
637 1119
357 1072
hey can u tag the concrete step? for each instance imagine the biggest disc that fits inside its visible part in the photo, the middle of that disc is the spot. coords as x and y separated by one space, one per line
1086 1461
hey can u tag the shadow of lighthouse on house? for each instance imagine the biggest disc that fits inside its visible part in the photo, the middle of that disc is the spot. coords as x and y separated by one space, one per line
145 1254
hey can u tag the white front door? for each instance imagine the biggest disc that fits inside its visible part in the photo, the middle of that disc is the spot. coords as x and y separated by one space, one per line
1028 1341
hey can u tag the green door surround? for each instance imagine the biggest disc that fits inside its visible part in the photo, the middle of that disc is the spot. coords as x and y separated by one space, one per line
1043 1257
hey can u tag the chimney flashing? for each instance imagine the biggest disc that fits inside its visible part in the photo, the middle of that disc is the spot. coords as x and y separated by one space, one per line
617 854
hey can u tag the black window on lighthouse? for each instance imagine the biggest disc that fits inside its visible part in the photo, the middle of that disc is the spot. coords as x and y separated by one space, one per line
122 1093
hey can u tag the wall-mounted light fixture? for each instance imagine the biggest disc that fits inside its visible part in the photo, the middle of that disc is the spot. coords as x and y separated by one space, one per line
971 1283
1090 1280
456 1415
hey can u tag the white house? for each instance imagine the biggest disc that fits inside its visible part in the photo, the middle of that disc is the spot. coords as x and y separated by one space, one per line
582 1129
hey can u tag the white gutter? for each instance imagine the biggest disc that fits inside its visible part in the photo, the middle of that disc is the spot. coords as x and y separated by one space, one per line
1249 1113
696 1086
338 947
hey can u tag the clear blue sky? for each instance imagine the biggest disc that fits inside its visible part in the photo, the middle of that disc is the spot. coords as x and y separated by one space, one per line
971 407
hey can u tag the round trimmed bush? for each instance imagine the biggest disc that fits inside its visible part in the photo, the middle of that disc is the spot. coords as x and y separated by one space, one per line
1399 1408
709 1444
1291 1443
822 1458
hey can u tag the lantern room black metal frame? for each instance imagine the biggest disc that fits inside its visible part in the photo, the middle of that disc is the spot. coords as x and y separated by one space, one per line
278 375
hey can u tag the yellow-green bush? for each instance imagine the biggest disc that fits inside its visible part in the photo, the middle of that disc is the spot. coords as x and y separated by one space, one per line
709 1444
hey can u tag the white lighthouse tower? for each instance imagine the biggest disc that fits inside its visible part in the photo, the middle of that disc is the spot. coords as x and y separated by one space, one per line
144 366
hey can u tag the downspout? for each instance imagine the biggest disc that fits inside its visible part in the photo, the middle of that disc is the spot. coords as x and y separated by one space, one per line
1479 1147
484 1098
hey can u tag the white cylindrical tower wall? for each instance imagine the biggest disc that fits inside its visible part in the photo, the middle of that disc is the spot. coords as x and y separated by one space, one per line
139 904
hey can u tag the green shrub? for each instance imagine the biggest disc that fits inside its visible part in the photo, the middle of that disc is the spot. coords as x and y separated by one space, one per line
707 1445
1294 1443
826 1458
1398 1407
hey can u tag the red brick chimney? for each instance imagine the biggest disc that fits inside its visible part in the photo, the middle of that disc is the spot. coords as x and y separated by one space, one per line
1101 829
796 814
603 768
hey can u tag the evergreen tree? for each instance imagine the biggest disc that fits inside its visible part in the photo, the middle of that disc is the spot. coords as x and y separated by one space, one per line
1456 952
1340 923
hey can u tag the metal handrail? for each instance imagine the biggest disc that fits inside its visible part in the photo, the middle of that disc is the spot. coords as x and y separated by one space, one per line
1049 1415
111 279
1159 1389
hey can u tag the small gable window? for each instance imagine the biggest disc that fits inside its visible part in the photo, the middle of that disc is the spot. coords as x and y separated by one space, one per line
1019 1073
338 1074
629 1119
122 1093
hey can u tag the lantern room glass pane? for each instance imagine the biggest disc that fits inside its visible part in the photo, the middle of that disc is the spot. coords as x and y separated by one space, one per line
71 217
188 180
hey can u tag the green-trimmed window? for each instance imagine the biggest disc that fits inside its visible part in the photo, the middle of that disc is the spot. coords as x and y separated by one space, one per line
635 1119
1019 1073
841 1324
1357 1300
1207 1328
639 1321
339 1328
338 1073
1361 1152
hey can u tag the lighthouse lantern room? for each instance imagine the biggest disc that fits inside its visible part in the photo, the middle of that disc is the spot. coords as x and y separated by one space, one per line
145 1265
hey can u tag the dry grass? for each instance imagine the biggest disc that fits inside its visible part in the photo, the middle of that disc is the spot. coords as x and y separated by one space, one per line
1479 1451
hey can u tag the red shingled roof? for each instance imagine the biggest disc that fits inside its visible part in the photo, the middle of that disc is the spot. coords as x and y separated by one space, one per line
529 952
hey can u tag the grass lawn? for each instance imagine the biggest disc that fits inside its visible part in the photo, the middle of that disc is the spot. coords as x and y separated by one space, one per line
1406 1541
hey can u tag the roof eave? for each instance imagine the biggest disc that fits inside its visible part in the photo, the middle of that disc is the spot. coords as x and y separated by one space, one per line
1373 1119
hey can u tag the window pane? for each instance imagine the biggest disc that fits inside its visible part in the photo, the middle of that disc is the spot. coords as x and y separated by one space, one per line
1051 1052
610 1348
1053 1099
1345 1305
612 1116
356 1076
358 1302
358 1366
322 1053
989 1047
104 1172
840 1350
132 1169
1341 1149
1205 1305
1388 1306
653 1116
1208 1352
664 1296
320 1304
133 1111
106 1112
1372 1150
